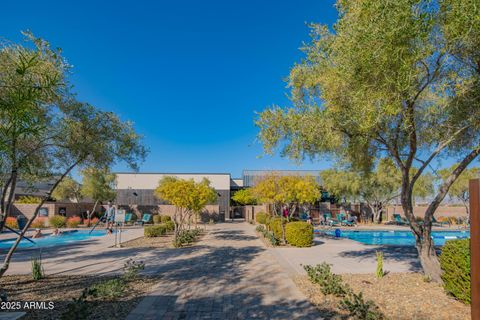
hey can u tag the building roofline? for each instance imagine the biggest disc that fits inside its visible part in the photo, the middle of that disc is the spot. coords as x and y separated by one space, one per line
198 173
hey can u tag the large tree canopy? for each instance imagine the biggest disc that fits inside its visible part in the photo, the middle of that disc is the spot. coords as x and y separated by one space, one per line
397 79
45 132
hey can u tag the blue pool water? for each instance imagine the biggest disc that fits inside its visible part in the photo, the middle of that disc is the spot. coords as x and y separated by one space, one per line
399 238
50 241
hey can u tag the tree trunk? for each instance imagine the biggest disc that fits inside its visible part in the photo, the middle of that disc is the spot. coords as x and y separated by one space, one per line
428 258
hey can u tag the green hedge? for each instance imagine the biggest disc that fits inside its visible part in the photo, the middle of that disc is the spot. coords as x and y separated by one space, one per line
155 230
299 233
157 219
165 218
455 263
261 218
57 221
275 225
170 225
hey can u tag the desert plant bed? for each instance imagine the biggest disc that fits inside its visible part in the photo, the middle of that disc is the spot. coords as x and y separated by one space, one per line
398 296
61 290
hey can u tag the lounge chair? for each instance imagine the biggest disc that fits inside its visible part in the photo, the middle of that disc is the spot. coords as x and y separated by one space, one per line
439 223
398 220
128 218
341 217
145 219
328 220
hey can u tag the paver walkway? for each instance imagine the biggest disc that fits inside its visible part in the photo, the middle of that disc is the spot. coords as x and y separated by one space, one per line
229 275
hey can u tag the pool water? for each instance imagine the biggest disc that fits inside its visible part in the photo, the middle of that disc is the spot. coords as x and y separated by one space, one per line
66 237
399 238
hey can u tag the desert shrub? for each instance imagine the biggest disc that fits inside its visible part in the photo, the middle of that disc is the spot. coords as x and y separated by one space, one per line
38 223
299 233
455 263
260 229
57 221
261 218
329 282
131 269
157 219
379 271
155 230
73 222
113 288
165 219
186 237
37 268
276 227
271 237
170 225
358 308
11 222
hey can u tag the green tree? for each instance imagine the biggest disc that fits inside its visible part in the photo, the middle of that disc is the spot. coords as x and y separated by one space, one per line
460 189
244 197
188 197
397 79
55 133
98 185
68 189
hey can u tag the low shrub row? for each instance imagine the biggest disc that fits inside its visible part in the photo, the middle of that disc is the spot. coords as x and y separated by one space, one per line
155 230
267 235
157 219
332 284
261 218
297 233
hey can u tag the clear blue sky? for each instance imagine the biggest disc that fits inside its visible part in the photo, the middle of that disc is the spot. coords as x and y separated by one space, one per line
189 74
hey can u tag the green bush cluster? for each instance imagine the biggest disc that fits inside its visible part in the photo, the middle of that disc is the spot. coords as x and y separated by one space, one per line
165 219
58 221
157 219
155 230
267 234
455 263
37 268
113 288
275 225
170 225
185 237
299 233
329 282
358 308
261 218
332 284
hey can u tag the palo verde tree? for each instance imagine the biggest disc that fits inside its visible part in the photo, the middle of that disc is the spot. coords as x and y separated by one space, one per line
397 79
58 135
98 185
188 197
459 190
290 192
244 197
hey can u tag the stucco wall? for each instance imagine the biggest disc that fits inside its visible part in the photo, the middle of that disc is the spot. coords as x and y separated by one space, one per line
442 211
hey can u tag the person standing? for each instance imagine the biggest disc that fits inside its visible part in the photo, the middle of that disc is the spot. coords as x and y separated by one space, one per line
110 216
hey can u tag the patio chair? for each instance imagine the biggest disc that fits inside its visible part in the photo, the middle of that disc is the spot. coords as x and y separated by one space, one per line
128 218
398 220
341 217
145 219
328 220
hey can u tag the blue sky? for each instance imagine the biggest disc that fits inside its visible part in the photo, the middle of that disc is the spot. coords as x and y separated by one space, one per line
189 74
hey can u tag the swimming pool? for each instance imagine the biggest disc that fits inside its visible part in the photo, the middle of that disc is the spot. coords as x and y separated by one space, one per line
66 237
390 237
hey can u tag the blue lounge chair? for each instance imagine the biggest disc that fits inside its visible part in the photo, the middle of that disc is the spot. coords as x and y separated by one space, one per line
341 217
145 219
128 218
328 220
398 220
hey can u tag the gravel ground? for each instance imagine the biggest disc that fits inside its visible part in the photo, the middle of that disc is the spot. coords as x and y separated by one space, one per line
165 241
398 295
61 290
